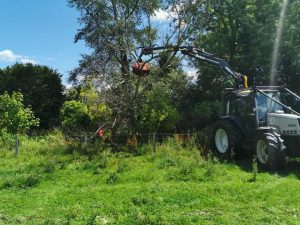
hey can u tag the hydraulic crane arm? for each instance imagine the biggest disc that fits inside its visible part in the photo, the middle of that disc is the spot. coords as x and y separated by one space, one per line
201 55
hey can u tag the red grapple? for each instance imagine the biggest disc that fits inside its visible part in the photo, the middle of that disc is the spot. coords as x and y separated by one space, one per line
141 68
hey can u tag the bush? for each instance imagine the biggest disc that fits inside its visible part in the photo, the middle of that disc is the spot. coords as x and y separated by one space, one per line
14 117
74 115
7 140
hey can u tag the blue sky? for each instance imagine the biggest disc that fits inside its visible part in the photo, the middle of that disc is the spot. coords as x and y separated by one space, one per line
40 31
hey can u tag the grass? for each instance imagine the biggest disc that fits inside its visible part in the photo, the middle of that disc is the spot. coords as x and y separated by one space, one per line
175 185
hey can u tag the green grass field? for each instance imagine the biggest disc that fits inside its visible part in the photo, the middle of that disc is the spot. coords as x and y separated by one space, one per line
175 185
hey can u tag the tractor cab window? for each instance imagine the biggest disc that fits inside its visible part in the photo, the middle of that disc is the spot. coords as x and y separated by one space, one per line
266 105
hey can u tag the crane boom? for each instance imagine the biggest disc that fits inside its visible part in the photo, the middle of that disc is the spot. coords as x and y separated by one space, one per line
201 55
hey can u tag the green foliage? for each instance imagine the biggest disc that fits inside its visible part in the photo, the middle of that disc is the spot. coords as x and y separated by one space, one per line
254 169
74 115
115 35
290 57
205 112
86 112
7 140
157 113
41 87
118 28
98 110
14 117
243 32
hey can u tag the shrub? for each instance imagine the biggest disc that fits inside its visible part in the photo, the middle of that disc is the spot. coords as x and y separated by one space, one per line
74 115
14 117
6 140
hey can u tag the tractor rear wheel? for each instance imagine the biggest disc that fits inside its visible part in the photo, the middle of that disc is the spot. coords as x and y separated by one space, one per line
227 138
270 150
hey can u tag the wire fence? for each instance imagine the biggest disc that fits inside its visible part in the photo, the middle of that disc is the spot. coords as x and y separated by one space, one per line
137 139
128 140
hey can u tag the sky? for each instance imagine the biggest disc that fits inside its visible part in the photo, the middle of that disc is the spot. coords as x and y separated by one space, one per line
40 32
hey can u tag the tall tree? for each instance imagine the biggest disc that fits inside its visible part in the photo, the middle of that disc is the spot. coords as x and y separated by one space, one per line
114 30
290 49
243 32
41 87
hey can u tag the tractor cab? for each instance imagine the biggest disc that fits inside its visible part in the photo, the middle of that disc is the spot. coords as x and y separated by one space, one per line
239 107
265 105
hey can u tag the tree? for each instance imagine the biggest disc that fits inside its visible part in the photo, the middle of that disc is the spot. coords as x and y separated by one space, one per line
41 87
75 116
114 29
290 50
14 117
157 113
86 112
99 112
243 32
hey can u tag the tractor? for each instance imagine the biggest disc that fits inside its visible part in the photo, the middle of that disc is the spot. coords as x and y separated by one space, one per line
254 119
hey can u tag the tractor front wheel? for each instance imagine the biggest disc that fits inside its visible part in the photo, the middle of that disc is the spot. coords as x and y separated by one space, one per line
270 150
227 138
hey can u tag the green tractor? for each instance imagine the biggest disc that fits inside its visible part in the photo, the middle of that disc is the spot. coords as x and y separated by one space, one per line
252 119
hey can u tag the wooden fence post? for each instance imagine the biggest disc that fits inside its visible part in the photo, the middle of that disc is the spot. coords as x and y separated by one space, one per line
85 140
17 145
154 141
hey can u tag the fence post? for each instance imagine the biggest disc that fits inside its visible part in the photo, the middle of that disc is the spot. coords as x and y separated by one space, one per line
85 140
17 145
154 141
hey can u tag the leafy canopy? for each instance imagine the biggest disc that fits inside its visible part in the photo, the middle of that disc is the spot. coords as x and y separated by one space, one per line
14 117
87 112
41 88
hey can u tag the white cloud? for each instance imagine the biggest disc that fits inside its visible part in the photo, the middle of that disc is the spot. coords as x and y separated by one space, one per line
25 61
161 14
171 12
10 56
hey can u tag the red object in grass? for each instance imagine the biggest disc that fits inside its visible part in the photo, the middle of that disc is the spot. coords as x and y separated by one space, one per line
101 133
141 68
